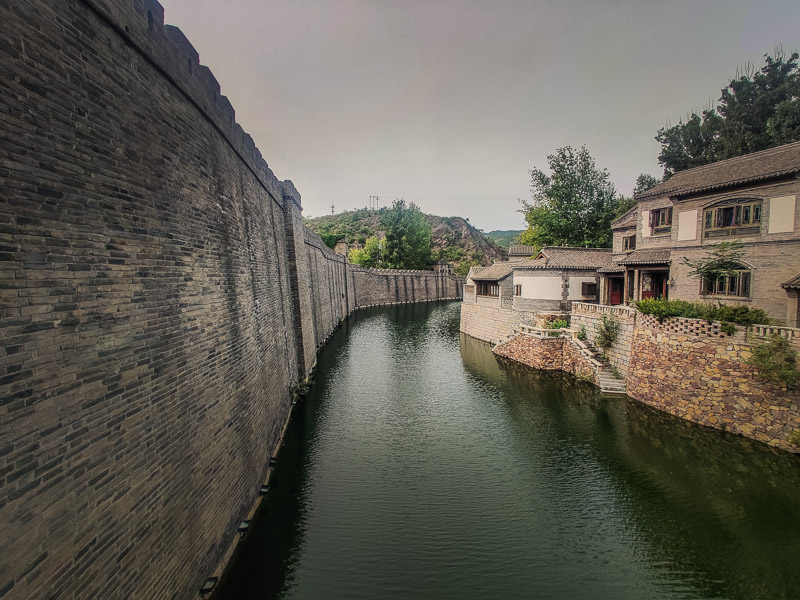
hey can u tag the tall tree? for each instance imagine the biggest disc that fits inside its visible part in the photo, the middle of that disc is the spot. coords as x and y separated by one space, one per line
644 182
408 237
572 206
757 110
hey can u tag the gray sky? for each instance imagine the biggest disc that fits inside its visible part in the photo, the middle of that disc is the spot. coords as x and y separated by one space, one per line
449 103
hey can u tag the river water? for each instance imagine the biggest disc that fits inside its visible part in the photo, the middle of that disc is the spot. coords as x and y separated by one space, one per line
420 466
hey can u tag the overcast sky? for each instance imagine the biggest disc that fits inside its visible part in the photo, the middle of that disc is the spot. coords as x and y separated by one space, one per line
449 103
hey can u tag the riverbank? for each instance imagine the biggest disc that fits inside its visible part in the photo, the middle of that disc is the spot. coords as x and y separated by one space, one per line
686 367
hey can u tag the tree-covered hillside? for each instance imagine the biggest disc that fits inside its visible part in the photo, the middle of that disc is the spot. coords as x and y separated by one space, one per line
452 238
503 237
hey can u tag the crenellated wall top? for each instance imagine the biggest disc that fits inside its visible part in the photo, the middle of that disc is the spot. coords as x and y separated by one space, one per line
141 24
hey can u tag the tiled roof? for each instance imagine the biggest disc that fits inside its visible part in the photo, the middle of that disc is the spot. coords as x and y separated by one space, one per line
518 250
792 284
558 257
612 269
496 272
650 256
758 166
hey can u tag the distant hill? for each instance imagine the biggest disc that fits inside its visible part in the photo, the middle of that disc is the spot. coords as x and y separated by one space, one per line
452 238
503 238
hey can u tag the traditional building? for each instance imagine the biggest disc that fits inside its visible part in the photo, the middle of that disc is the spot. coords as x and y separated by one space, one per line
518 252
550 282
751 198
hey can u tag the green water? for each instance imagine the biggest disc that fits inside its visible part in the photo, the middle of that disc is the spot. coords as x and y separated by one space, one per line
420 466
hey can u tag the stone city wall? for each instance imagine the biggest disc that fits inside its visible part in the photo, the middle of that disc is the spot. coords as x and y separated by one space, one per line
159 297
699 374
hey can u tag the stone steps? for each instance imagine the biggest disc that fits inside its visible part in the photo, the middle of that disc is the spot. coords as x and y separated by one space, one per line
610 383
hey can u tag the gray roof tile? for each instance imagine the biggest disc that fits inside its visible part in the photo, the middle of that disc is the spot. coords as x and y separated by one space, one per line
758 166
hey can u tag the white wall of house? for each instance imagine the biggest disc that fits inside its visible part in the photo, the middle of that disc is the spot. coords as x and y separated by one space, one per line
575 285
781 214
687 225
540 288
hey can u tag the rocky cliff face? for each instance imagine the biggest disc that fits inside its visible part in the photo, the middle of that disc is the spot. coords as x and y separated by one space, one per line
452 238
455 232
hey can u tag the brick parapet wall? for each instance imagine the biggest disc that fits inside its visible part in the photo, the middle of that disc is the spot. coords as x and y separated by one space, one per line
705 378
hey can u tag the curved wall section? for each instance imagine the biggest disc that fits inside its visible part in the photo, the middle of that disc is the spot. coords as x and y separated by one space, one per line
159 297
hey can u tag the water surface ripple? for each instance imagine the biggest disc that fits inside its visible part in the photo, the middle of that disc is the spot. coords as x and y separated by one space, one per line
420 466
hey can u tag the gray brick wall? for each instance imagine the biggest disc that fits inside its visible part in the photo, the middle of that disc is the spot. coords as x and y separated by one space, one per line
159 296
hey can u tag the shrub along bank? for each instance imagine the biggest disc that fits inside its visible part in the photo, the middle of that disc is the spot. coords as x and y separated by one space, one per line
662 309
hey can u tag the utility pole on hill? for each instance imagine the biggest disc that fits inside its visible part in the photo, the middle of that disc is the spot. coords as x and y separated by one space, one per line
332 209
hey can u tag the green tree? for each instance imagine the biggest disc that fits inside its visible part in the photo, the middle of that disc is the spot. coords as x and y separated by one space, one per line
369 256
723 260
408 236
624 204
757 110
573 206
644 182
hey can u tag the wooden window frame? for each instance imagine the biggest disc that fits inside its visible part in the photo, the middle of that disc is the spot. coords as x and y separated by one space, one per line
589 289
629 243
489 289
742 217
661 220
518 289
738 285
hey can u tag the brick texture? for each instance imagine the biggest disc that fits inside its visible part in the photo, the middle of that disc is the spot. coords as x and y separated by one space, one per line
159 297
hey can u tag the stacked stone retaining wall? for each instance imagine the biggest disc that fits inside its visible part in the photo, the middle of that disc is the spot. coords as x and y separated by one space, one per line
687 367
693 371
159 297
491 323
549 354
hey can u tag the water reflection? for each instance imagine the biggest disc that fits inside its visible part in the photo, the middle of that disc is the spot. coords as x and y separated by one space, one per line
721 509
422 467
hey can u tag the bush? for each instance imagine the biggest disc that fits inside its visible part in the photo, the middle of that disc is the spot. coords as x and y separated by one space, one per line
662 309
775 359
581 335
560 323
795 438
728 328
606 332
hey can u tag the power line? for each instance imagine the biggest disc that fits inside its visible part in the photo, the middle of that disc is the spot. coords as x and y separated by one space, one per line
451 198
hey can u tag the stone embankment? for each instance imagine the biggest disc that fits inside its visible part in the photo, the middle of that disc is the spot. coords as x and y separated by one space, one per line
687 367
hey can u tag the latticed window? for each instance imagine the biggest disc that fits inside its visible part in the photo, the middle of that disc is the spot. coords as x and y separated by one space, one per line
737 283
629 242
740 218
661 220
